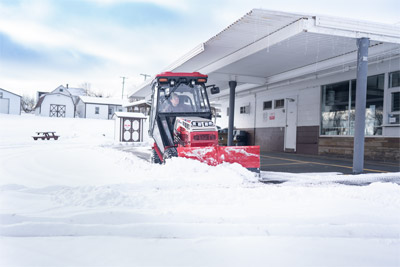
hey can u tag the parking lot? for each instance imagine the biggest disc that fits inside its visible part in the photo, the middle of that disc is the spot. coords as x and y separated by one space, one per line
296 163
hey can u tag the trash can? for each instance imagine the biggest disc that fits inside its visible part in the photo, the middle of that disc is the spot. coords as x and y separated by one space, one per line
240 138
223 137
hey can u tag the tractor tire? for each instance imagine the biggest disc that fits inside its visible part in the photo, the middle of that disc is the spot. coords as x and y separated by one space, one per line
170 153
154 158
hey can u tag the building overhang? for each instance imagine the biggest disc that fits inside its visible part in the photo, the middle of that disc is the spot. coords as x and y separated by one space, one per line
266 47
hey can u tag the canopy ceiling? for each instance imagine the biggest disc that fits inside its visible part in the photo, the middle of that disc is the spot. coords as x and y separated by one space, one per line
266 47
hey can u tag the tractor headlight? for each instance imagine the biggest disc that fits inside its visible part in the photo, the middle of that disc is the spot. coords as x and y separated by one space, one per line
208 123
196 123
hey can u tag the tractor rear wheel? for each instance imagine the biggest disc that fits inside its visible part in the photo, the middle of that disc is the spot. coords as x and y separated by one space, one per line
170 153
154 157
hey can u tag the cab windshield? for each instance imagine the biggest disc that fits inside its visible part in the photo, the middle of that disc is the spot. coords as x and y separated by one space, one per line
183 98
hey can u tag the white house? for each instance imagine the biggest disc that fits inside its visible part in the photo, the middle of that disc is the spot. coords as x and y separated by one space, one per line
98 107
292 78
76 93
10 103
58 103
141 106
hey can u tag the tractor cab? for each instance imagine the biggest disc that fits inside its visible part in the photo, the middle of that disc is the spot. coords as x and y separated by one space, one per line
176 95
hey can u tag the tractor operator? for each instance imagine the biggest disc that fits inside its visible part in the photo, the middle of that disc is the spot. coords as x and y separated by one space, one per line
173 105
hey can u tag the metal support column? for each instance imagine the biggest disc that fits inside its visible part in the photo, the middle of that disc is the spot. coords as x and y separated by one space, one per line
232 87
361 99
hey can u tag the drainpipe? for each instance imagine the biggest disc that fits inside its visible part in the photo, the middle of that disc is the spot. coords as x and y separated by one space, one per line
232 87
361 98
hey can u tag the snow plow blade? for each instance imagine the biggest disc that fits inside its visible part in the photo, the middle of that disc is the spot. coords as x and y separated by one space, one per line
247 156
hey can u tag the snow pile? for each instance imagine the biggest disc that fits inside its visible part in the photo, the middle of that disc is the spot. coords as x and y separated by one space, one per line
85 200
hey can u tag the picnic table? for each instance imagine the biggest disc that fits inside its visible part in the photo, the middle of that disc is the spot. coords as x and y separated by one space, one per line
45 135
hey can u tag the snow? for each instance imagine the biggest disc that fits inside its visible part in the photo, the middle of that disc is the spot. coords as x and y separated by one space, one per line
130 115
86 200
103 100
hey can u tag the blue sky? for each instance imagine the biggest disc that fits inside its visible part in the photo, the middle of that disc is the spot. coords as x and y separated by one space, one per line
45 43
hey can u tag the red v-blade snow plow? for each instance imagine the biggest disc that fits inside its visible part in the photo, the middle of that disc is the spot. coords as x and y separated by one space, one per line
181 125
247 156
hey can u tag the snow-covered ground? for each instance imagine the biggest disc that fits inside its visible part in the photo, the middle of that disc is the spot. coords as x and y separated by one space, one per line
84 200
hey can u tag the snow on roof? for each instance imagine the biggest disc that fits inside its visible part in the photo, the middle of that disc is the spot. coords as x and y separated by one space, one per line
130 115
9 92
136 103
102 100
77 91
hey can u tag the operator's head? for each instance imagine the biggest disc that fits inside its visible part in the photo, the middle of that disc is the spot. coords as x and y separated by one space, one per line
174 99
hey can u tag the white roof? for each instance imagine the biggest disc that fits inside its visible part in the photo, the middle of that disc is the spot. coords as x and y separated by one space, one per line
136 103
130 115
266 47
102 100
1 89
77 91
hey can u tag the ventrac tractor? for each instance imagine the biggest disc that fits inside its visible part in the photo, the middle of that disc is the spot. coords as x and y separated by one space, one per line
181 125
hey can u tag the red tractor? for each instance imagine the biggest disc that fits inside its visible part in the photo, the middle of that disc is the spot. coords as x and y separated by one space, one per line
181 125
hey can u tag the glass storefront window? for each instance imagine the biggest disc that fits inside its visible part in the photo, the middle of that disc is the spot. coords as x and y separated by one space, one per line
338 107
335 109
394 79
395 102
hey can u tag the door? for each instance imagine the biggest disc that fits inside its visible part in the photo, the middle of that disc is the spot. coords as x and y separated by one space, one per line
57 110
291 124
111 111
131 131
4 105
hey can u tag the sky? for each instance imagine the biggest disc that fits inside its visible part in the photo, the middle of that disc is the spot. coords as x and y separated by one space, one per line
93 43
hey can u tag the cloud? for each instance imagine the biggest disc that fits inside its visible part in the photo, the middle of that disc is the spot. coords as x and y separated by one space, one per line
97 41
170 4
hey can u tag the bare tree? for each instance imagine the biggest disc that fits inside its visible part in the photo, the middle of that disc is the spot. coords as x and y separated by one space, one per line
89 92
87 86
27 103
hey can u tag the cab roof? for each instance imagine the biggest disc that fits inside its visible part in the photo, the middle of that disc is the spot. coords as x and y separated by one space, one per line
181 74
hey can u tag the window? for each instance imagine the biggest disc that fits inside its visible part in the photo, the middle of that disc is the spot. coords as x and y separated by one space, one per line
61 90
279 103
191 99
267 105
338 107
394 79
96 110
110 111
1 94
395 102
245 109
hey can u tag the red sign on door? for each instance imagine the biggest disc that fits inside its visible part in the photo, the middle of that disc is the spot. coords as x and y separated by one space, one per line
272 116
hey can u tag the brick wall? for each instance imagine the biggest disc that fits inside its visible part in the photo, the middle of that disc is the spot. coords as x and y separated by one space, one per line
270 139
307 140
382 148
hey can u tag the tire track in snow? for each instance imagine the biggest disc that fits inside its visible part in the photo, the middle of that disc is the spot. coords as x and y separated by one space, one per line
197 230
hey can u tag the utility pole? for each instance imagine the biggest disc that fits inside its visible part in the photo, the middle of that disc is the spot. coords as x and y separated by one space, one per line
145 76
123 85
